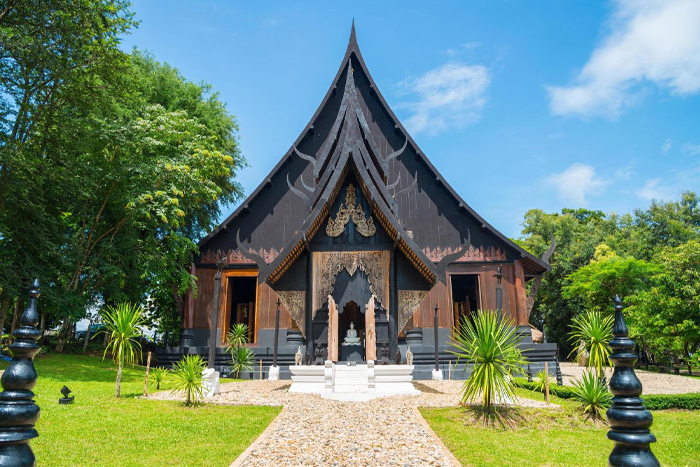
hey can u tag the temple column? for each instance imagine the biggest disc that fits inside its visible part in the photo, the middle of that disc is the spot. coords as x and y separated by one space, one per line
332 330
370 333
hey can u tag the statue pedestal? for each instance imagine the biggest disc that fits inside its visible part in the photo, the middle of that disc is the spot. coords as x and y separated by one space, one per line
210 381
437 375
274 374
352 353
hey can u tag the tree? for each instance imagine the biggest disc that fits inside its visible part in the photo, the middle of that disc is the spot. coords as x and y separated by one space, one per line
123 325
667 314
605 276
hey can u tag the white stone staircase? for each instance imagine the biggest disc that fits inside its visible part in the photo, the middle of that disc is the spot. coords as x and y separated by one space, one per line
350 379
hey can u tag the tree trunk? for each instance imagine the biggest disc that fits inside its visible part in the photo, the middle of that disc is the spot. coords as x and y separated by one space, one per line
63 335
4 305
87 336
42 325
15 317
119 379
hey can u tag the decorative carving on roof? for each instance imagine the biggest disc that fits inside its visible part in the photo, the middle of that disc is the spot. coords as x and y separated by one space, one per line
374 264
295 303
409 300
351 210
237 257
471 254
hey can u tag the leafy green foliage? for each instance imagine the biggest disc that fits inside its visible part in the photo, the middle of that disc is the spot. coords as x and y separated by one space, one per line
592 393
668 313
672 401
159 376
241 357
564 392
490 344
123 327
188 378
594 331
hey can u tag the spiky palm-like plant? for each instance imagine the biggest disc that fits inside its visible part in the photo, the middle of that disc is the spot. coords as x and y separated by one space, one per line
490 343
592 393
159 375
241 357
188 378
123 328
541 381
595 331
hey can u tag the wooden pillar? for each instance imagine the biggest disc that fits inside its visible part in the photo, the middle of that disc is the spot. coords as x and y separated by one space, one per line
332 330
521 317
393 306
370 334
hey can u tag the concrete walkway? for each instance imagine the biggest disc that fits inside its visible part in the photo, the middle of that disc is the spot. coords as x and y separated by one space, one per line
652 382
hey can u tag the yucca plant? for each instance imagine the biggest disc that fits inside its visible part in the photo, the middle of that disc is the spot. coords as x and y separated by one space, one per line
489 342
188 378
159 375
237 336
595 331
592 393
541 379
123 328
241 357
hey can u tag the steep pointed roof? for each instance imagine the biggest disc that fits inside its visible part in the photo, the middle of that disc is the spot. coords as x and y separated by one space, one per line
350 144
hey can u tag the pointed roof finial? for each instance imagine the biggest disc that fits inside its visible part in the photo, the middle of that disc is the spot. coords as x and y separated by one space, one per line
353 38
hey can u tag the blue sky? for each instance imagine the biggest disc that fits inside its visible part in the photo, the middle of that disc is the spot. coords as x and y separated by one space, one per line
519 104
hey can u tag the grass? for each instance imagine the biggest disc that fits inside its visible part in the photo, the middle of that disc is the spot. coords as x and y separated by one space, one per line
560 437
98 429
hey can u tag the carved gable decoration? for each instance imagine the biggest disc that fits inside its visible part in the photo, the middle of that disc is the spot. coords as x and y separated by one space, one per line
409 300
295 303
374 264
351 210
238 257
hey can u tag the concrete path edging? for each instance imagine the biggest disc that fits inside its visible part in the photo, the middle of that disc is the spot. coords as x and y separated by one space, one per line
245 454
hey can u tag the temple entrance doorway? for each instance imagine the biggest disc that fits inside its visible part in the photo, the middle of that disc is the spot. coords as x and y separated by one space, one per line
351 329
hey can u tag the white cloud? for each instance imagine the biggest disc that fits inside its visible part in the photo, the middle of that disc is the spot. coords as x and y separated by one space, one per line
647 41
654 189
577 183
691 148
451 96
666 146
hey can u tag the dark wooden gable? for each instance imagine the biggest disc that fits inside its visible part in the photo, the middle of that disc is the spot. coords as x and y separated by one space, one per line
354 128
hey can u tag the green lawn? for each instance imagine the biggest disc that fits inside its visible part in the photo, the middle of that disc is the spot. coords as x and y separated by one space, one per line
530 437
98 429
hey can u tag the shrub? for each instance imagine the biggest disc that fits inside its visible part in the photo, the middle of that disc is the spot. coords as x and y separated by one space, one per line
672 401
490 343
595 331
159 375
563 392
123 327
592 393
188 378
541 380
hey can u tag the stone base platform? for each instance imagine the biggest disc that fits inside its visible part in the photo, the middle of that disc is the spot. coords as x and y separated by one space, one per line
353 382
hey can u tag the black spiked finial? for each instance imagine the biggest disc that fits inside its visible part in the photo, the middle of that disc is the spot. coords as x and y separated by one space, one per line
629 420
18 411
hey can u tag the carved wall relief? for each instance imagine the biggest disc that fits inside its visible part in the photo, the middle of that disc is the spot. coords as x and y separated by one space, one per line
409 300
351 210
295 303
374 264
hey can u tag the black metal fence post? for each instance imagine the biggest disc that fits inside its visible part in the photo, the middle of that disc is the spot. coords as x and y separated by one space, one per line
628 418
18 411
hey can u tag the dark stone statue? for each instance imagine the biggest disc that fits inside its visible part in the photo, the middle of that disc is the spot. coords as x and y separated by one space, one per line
308 360
397 357
384 355
319 354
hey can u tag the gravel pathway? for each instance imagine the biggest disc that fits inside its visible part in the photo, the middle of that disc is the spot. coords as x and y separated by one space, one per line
315 431
652 383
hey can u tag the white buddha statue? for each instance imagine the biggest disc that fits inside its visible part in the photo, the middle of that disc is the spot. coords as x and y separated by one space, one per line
351 336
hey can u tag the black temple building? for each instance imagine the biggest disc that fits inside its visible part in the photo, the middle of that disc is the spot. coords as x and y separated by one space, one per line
354 225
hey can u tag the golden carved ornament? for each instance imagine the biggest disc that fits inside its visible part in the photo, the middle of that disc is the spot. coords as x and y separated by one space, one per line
295 303
409 300
351 210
